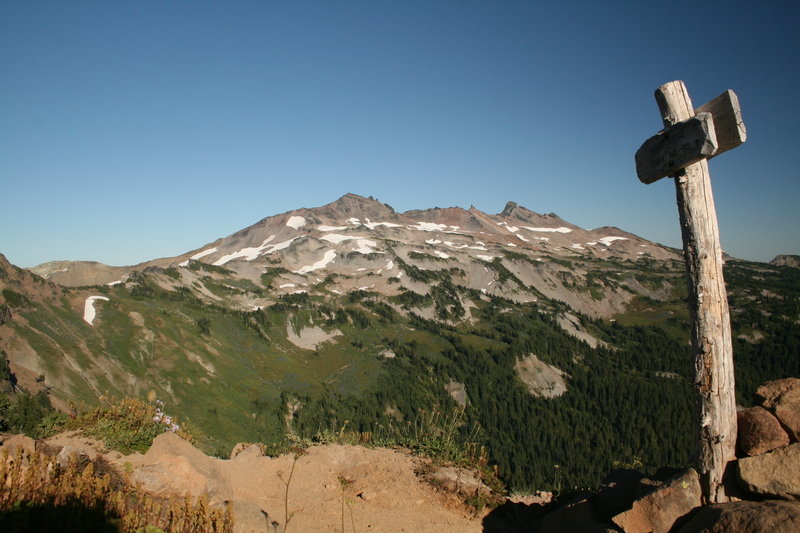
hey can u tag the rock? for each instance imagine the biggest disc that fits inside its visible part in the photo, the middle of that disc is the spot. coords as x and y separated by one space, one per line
658 511
69 455
573 517
173 467
759 432
768 393
775 474
458 481
539 497
745 517
249 517
15 442
787 411
247 450
175 477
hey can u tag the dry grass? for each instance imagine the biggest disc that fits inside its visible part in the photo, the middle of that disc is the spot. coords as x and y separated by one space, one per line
39 494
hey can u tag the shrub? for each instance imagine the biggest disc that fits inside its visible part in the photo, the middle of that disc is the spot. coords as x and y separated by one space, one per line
129 424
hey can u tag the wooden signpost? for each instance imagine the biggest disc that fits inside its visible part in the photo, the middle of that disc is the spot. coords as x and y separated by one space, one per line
681 151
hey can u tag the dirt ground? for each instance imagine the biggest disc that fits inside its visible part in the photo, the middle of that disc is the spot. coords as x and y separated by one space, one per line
323 488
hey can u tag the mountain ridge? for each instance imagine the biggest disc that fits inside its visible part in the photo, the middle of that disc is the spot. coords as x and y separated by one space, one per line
304 240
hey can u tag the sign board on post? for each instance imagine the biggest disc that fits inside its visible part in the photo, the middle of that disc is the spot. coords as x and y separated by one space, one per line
715 416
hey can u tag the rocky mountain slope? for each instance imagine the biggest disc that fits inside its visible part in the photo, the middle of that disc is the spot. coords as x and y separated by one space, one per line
360 243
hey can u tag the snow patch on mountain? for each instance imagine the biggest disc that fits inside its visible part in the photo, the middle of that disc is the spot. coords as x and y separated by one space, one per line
373 225
328 258
512 229
608 240
323 227
248 254
198 255
549 230
296 222
429 226
336 238
363 245
88 308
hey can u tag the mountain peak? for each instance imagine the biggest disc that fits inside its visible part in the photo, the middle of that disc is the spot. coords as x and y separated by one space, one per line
354 205
509 209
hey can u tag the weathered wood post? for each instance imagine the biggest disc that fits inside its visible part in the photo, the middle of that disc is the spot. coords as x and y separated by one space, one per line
681 150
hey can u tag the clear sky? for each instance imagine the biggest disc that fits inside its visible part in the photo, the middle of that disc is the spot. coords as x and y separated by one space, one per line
144 129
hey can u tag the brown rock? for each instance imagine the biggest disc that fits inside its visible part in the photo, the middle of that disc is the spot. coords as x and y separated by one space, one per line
458 481
70 455
173 467
246 450
759 432
746 517
249 517
768 393
774 474
787 411
14 442
658 511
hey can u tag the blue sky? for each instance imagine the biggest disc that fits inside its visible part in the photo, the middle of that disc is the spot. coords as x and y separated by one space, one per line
136 130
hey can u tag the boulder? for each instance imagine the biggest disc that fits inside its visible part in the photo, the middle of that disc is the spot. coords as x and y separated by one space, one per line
775 474
745 517
658 511
768 393
759 432
173 467
15 442
458 481
247 450
787 411
249 517
69 455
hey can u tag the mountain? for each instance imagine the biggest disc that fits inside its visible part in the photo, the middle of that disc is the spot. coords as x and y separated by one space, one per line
786 260
361 243
543 342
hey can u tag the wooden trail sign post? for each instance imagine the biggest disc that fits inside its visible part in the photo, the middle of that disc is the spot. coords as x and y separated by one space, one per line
681 151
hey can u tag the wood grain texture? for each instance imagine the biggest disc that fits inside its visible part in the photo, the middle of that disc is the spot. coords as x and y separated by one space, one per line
708 306
728 123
